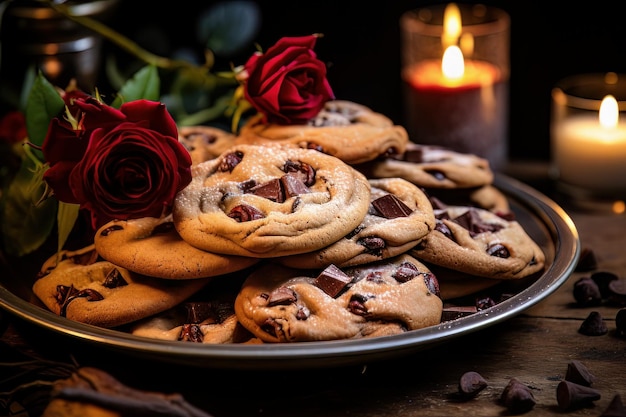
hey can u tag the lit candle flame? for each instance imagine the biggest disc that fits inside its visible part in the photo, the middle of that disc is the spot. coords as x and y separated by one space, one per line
609 112
452 64
451 25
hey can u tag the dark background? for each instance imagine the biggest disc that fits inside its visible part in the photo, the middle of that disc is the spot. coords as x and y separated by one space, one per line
361 44
549 40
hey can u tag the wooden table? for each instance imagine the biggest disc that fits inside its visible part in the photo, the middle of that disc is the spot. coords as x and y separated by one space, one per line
534 347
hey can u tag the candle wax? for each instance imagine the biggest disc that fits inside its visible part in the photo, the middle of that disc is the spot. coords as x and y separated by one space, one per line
589 155
469 115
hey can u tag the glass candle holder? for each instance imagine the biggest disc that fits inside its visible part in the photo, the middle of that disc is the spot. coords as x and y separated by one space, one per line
455 72
588 136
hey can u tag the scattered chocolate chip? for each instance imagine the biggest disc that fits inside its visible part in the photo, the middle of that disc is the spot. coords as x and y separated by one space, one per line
114 279
245 213
578 373
617 292
452 312
587 261
572 396
191 333
471 384
593 325
517 397
615 408
332 280
587 293
602 280
620 323
282 296
391 207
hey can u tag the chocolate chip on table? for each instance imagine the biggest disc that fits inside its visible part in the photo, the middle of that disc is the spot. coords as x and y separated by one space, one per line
615 408
620 323
587 293
587 261
517 397
593 325
471 384
603 279
571 396
617 292
578 373
332 280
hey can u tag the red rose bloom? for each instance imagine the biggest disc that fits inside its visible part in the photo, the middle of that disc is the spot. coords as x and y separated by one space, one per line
119 164
288 84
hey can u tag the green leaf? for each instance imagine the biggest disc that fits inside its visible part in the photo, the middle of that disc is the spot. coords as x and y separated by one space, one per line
26 222
229 26
145 84
43 104
66 218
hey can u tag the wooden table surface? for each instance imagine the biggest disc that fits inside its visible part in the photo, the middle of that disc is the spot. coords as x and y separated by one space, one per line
534 347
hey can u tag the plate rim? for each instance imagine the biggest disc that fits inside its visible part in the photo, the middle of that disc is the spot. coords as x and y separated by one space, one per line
559 224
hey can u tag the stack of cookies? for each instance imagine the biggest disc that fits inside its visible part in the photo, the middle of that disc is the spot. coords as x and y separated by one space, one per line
339 229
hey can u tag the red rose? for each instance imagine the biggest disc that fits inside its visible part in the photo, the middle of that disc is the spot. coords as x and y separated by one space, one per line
13 127
123 164
288 84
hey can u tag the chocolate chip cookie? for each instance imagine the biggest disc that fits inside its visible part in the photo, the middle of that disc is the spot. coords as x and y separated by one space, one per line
400 215
347 130
270 201
92 291
479 242
280 304
153 247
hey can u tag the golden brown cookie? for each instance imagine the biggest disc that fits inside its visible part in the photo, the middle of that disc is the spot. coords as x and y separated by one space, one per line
478 242
205 142
487 197
153 247
196 322
400 215
344 129
432 166
263 201
105 295
279 304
